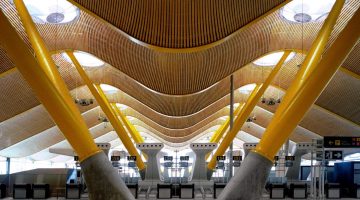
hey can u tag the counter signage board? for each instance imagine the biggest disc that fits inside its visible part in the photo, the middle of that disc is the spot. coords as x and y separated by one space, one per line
290 158
76 158
115 158
220 158
131 158
237 158
342 142
184 158
168 158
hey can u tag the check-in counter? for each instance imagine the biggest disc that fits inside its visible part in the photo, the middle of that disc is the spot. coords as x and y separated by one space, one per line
333 190
73 191
277 191
298 190
218 188
22 191
133 187
41 191
187 191
164 191
2 191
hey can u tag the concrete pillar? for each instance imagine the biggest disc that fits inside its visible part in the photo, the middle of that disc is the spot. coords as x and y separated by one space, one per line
200 168
152 165
103 180
252 177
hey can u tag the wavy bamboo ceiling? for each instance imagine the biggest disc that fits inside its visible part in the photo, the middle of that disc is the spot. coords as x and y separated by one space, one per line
177 95
179 23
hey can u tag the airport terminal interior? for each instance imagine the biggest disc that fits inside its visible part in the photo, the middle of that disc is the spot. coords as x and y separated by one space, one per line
179 99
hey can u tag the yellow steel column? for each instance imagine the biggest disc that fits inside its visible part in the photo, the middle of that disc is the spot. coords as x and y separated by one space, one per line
100 97
46 82
131 129
305 92
246 110
220 132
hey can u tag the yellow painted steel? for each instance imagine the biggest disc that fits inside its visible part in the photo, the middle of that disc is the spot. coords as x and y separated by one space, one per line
314 54
48 86
222 129
100 97
250 104
304 91
131 129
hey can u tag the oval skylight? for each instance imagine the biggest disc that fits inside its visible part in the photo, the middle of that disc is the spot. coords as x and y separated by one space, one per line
52 11
272 59
246 89
85 59
303 11
108 88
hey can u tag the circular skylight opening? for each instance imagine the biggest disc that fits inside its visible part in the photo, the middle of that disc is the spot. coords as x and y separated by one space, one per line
52 11
85 59
246 89
303 11
108 88
272 59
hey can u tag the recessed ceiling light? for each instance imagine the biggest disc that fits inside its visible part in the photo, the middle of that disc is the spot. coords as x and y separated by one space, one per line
272 59
122 106
52 11
108 88
303 11
246 89
85 59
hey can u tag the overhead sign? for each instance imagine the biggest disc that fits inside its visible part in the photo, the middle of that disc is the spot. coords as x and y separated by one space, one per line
276 158
342 142
290 158
334 155
237 158
220 158
184 158
115 158
168 164
168 158
131 158
76 158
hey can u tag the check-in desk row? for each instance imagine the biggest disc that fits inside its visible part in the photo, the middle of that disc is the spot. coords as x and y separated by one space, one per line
299 191
39 191
182 191
27 191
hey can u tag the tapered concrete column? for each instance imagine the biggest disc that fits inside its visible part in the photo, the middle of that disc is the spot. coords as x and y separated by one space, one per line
109 185
248 147
152 165
200 150
248 183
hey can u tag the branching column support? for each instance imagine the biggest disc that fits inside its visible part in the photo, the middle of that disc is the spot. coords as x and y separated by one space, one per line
100 97
250 104
308 84
45 80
